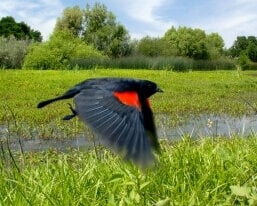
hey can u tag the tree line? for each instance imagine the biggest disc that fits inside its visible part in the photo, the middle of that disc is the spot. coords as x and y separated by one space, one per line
95 32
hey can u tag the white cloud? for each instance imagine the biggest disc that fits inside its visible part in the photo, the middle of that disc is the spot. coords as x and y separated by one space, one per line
231 19
144 12
39 15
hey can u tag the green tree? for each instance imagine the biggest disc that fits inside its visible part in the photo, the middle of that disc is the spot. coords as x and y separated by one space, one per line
215 45
151 46
57 53
172 39
245 46
98 27
239 46
72 20
21 31
102 30
252 48
252 40
252 52
187 42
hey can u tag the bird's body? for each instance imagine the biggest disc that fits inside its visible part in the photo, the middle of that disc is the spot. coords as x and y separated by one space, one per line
118 110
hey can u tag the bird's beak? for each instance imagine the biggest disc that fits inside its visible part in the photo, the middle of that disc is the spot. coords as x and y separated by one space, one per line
159 90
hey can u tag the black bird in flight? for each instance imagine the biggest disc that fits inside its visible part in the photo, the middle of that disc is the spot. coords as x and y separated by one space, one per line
118 110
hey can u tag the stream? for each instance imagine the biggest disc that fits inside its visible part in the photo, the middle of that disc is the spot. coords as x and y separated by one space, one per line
195 127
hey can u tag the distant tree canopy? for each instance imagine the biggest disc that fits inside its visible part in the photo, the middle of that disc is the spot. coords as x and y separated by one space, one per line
96 26
151 46
245 46
71 20
184 42
58 51
21 31
92 35
193 43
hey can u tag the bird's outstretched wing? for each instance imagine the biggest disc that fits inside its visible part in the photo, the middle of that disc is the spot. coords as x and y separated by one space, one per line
119 124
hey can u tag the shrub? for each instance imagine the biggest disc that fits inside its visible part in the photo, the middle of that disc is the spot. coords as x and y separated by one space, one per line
224 64
57 53
143 62
12 52
134 62
244 62
253 66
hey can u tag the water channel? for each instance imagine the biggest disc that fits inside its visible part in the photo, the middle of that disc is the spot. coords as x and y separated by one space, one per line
196 127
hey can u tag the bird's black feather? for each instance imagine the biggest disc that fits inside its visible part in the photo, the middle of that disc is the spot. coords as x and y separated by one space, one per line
124 128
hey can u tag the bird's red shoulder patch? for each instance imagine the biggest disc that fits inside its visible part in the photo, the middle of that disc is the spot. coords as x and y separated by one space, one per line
129 98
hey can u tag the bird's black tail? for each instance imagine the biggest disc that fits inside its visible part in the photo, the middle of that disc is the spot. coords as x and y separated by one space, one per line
44 103
69 94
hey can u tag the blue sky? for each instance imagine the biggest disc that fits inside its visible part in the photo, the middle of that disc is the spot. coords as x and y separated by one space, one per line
230 18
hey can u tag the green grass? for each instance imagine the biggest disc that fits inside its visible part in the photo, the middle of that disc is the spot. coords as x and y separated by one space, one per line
185 94
203 172
207 171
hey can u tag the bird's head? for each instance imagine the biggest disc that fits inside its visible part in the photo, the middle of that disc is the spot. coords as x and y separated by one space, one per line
148 88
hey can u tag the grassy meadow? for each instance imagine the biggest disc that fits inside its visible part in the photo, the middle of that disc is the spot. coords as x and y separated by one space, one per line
206 171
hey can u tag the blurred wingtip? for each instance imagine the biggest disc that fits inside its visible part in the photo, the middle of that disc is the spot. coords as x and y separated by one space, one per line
146 164
144 160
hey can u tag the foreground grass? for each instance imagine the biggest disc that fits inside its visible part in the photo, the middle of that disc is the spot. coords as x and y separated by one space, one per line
185 94
203 172
190 172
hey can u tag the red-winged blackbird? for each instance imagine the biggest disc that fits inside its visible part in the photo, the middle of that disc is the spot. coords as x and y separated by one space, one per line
118 110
